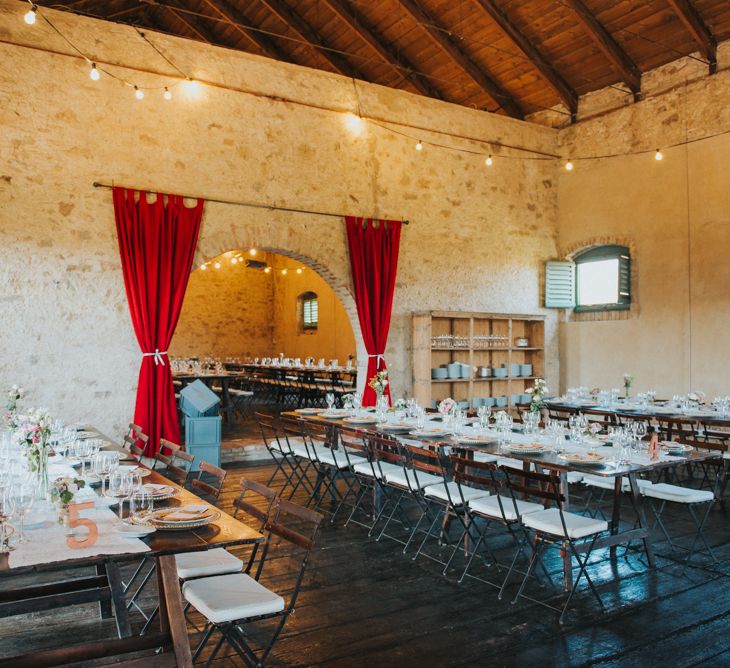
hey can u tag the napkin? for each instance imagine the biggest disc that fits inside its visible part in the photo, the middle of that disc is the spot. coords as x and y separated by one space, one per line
186 514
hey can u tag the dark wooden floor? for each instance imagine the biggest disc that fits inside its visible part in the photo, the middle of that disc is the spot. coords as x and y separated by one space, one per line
366 604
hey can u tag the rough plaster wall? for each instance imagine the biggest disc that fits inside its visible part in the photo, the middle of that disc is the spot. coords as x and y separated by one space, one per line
676 213
226 313
333 339
477 240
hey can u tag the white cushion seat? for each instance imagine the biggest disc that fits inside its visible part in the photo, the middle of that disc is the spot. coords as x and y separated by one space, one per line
578 526
666 492
574 477
210 562
510 463
226 598
339 460
439 492
364 468
608 483
240 393
490 507
424 479
484 457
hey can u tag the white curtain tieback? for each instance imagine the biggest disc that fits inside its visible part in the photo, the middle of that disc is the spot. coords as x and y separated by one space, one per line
379 358
157 355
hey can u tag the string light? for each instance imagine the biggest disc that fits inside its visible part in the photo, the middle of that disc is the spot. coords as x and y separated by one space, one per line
234 260
488 162
267 270
203 267
568 166
252 252
217 265
419 146
658 155
283 272
30 16
94 73
167 94
138 93
299 270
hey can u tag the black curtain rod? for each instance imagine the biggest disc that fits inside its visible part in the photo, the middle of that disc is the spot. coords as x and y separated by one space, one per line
252 205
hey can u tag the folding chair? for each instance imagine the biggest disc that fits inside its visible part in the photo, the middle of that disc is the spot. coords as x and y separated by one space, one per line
173 462
209 481
135 441
365 473
553 527
295 443
232 603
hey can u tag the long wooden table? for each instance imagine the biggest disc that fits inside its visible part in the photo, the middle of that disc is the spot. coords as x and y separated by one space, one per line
106 588
549 460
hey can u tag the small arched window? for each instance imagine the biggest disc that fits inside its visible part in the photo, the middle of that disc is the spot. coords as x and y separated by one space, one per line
308 308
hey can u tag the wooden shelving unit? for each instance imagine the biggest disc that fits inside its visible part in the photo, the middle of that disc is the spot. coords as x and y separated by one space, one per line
474 333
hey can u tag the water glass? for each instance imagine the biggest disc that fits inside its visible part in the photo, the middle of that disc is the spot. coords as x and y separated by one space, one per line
7 508
484 413
330 399
121 485
141 503
24 495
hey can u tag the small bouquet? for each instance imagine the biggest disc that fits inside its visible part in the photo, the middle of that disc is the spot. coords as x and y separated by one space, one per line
446 406
63 491
348 401
379 382
14 394
595 392
537 393
697 397
33 433
628 382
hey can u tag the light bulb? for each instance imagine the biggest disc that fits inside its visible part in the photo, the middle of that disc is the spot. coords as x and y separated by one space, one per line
283 272
569 166
488 162
658 155
267 270
252 252
234 260
30 17
203 267
299 270
217 265
94 73
354 124
138 93
419 146
167 94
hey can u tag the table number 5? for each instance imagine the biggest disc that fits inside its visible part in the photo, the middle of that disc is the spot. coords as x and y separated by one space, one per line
75 521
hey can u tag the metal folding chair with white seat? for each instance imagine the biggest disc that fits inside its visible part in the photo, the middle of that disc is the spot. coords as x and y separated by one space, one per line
278 447
575 535
232 603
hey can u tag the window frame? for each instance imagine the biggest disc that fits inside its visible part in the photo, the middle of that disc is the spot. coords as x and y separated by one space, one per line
606 252
304 299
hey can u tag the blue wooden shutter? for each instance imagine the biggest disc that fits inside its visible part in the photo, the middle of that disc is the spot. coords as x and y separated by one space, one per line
559 284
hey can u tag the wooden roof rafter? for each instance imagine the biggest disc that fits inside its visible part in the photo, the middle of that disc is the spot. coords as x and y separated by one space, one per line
456 54
376 42
553 78
626 68
690 17
305 32
233 15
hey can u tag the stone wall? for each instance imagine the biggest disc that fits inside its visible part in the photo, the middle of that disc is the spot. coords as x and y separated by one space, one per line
258 131
675 215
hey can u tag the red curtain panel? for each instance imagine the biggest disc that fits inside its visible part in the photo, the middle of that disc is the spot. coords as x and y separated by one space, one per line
374 248
156 244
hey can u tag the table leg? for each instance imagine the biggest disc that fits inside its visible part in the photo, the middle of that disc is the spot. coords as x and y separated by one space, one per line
117 591
105 607
616 516
565 551
638 503
172 617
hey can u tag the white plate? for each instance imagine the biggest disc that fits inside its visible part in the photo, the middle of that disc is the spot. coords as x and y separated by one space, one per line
308 411
583 459
479 439
394 426
525 449
133 530
129 468
429 433
366 419
336 413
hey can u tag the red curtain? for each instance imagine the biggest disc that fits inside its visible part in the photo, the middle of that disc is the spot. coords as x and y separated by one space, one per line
156 244
374 248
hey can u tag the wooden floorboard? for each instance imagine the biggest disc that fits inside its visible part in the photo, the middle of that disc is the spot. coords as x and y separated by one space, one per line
366 604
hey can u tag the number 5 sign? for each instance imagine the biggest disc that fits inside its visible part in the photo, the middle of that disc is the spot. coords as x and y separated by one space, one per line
75 521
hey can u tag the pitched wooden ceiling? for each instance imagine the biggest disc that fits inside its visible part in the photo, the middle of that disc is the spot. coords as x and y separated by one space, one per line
513 57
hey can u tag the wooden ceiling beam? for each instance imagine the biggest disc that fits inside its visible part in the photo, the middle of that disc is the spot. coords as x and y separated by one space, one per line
453 50
304 31
627 69
547 71
196 27
376 42
233 15
690 17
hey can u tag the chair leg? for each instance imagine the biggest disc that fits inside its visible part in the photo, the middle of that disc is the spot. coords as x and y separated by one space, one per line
537 549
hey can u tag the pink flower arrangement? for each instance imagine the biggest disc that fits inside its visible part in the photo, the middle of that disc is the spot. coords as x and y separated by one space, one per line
446 406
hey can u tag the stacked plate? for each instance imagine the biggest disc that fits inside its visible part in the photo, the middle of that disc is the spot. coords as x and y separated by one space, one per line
674 448
178 519
134 468
474 439
394 426
525 448
583 459
160 492
361 419
308 411
430 432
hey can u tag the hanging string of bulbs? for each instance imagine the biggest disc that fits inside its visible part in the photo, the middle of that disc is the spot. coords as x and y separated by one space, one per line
237 258
490 159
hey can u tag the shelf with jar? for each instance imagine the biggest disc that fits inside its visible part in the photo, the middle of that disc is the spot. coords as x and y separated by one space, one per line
476 358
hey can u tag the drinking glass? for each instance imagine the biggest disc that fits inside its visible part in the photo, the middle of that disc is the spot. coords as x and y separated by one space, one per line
104 464
330 399
484 413
7 508
83 452
420 417
24 495
141 503
120 487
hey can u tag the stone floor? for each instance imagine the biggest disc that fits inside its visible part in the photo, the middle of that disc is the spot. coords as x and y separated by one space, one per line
364 604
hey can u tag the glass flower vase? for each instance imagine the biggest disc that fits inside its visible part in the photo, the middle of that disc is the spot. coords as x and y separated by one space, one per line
41 475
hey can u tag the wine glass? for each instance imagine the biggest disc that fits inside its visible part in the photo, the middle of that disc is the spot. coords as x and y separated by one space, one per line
484 413
330 399
24 495
120 487
141 503
104 464
7 508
